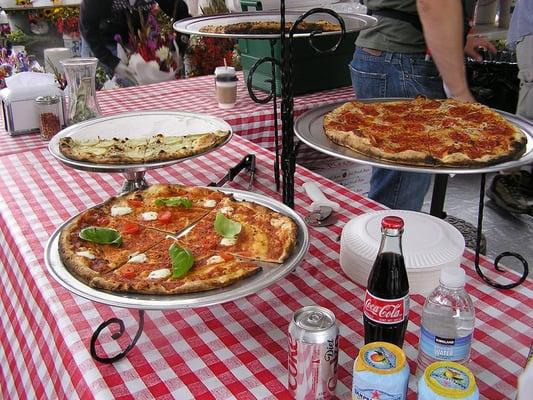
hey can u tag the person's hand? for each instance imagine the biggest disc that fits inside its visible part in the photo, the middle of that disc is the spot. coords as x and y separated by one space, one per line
123 72
474 43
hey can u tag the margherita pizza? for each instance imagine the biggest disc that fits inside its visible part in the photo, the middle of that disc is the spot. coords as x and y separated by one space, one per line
141 242
125 150
426 132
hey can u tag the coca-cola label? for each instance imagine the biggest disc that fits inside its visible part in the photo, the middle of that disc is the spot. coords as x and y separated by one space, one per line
386 311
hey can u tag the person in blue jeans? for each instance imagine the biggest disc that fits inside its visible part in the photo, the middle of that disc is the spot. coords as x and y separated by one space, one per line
391 60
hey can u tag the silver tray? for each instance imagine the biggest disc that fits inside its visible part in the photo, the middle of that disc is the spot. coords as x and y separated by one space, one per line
192 26
310 130
138 124
270 274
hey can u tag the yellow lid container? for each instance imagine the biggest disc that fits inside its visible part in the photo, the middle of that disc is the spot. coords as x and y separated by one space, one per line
448 380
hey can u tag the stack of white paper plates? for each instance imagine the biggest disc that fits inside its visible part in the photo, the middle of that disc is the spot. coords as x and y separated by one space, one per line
429 244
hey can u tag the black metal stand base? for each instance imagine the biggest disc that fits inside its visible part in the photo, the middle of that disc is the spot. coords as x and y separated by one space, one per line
115 336
480 245
497 260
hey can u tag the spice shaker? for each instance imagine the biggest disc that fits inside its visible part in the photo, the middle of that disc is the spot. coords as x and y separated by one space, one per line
49 111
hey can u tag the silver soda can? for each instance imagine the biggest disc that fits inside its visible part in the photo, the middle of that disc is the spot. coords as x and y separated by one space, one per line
313 354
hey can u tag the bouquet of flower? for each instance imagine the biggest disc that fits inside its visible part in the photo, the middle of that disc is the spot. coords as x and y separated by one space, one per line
204 54
151 55
66 19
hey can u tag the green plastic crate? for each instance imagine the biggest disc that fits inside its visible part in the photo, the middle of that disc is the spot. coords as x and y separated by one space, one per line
312 71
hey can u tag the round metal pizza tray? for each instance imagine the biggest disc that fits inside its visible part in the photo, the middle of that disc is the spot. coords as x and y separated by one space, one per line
134 125
270 273
192 26
310 130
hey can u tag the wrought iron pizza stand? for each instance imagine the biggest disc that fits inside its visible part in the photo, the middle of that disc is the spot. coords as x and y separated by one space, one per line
309 129
348 23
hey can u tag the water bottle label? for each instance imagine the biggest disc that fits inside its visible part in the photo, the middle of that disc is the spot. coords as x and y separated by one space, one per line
386 311
445 349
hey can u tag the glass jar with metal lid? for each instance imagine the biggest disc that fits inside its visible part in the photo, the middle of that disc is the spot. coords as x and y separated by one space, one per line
49 114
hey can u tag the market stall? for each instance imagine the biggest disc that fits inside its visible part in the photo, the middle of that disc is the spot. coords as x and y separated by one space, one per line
79 341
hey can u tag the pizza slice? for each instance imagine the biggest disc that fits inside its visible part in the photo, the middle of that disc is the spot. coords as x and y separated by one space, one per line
170 268
168 208
94 243
244 229
163 148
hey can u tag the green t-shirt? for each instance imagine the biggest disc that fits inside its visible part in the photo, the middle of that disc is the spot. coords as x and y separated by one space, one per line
392 34
395 35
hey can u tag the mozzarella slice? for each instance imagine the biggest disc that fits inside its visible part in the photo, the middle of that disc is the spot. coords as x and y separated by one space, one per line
214 260
120 210
226 210
228 241
278 222
86 254
159 274
149 216
210 203
138 258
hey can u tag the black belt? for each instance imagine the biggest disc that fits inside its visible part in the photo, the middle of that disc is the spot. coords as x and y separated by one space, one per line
412 19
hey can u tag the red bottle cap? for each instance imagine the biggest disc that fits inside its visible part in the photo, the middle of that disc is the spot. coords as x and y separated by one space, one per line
392 222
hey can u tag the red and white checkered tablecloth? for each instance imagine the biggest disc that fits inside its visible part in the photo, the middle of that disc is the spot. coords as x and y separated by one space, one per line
233 350
251 120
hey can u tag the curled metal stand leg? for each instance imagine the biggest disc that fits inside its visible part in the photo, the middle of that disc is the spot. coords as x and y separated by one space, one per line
497 260
270 96
115 336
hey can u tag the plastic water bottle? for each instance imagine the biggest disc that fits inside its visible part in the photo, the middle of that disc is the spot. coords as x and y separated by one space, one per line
447 322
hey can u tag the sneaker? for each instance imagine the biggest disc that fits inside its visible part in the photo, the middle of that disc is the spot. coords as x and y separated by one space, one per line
506 191
526 183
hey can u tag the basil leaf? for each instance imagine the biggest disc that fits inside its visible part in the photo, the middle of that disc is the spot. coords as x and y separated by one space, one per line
226 227
101 235
182 260
174 202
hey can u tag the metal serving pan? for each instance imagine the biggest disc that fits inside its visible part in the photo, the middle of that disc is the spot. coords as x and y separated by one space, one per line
270 274
309 128
192 26
138 124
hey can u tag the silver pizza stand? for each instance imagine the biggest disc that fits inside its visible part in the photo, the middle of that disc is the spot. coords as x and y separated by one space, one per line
309 128
134 125
270 273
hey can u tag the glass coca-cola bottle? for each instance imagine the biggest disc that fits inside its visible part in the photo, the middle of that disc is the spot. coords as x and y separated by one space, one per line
386 305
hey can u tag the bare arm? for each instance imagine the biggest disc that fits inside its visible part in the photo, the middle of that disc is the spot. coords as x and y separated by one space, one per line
443 31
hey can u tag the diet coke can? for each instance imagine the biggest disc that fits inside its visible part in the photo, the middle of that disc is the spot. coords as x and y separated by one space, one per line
313 353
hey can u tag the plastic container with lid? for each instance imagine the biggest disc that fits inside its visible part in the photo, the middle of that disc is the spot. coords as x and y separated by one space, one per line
447 380
429 244
381 370
226 86
49 110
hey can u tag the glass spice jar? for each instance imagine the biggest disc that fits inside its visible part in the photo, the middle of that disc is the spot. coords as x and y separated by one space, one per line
49 109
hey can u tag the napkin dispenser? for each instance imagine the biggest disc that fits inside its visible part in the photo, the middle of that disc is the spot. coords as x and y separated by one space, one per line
20 109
